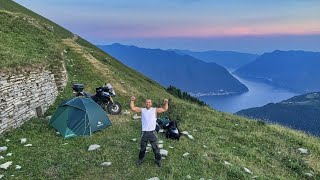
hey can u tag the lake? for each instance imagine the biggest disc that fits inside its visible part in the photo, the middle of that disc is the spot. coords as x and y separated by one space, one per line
259 94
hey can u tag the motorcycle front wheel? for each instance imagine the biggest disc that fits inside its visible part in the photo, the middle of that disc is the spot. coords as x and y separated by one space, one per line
114 108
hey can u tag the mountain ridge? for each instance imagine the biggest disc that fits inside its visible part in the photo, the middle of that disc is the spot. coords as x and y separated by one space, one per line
228 59
184 71
293 70
300 112
224 145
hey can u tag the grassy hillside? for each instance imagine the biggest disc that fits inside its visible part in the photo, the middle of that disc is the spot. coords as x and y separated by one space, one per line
300 112
269 151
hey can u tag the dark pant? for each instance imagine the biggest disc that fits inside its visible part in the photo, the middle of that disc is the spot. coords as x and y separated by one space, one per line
152 137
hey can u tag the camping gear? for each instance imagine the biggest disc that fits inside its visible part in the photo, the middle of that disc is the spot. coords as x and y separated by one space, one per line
163 122
79 116
173 131
103 97
171 128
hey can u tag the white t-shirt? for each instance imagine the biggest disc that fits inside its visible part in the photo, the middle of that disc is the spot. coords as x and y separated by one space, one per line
149 119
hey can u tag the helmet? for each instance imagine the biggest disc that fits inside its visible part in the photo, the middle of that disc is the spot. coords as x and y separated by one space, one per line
173 133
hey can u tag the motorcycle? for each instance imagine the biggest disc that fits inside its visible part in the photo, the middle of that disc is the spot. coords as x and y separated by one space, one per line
103 97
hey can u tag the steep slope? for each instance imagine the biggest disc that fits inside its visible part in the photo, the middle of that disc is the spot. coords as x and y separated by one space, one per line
228 59
169 68
300 112
269 151
294 70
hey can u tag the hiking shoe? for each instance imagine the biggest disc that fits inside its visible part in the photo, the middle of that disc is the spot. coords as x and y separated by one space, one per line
158 162
139 162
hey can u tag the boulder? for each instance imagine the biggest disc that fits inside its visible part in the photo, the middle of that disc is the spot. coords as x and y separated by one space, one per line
226 163
28 145
18 167
9 154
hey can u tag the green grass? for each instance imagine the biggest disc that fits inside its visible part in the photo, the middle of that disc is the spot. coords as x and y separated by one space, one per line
269 151
32 43
12 6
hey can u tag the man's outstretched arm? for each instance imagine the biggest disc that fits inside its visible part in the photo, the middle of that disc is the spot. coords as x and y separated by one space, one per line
164 108
132 106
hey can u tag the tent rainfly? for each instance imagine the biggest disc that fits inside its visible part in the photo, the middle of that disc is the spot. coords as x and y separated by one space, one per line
79 117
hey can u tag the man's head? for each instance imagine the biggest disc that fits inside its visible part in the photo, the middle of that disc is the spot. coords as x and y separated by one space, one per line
148 103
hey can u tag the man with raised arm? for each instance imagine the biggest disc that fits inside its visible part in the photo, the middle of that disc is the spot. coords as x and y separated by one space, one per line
149 120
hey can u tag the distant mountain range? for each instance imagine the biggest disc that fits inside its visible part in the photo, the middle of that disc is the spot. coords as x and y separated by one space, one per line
227 59
294 70
300 112
183 71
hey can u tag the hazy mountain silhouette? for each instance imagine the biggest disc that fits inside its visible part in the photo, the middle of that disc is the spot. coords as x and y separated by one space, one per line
169 68
227 59
295 70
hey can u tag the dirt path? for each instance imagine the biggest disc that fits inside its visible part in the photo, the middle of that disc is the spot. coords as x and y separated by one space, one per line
101 67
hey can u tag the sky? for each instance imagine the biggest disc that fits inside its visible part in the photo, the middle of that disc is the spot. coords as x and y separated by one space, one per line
254 26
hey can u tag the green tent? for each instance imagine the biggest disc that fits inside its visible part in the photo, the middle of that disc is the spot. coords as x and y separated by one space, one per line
79 116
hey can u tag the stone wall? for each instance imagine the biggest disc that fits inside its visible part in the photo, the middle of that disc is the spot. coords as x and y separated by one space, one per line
24 94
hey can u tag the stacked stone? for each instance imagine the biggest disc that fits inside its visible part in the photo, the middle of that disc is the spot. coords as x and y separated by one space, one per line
24 95
61 75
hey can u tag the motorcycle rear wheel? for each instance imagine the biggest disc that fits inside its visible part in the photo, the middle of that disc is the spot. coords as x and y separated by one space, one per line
114 108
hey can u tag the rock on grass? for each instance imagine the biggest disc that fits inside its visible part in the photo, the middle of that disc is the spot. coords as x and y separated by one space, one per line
247 170
308 174
106 164
190 136
303 150
164 152
23 140
93 147
186 154
3 148
6 165
185 132
154 178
